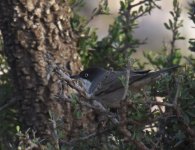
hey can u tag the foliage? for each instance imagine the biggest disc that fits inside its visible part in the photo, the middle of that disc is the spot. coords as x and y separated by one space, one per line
168 125
166 57
192 17
7 115
120 43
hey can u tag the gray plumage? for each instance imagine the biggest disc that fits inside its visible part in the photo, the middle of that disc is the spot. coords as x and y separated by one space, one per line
107 86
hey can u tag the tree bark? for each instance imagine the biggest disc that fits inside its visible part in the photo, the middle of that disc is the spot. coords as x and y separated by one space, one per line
31 30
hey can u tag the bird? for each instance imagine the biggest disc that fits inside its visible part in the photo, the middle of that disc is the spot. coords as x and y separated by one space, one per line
107 86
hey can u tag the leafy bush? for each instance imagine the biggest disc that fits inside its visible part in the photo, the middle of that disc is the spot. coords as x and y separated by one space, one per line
171 124
8 114
168 125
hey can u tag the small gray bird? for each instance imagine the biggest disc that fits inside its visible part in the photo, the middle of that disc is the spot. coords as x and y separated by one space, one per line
106 85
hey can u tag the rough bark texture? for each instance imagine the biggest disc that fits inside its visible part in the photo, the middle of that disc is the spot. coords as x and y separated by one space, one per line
31 29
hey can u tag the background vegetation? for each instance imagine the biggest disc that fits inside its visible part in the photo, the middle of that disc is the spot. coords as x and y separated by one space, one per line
170 125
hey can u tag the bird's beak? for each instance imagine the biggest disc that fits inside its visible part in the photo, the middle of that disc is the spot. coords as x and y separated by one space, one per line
75 76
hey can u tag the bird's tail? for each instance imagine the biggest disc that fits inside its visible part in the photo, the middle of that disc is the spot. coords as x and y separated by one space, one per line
147 78
162 72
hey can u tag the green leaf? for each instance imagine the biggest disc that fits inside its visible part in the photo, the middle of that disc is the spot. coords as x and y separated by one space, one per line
172 14
175 3
170 24
140 9
18 128
167 26
122 4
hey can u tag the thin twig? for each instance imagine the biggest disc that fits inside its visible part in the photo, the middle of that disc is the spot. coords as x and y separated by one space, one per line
128 74
123 114
140 145
71 84
103 110
161 104
9 103
138 3
97 106
177 93
73 141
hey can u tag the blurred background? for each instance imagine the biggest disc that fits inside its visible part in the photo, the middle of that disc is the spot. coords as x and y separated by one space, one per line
150 26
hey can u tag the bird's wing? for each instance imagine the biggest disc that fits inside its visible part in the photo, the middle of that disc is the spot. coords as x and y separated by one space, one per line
138 75
109 83
140 80
113 81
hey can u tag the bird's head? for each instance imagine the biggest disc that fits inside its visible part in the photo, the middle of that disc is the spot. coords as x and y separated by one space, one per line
90 74
89 77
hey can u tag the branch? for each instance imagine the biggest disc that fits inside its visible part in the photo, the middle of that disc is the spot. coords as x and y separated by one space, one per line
73 141
70 82
96 105
156 103
140 145
177 93
9 103
190 131
161 103
139 3
128 74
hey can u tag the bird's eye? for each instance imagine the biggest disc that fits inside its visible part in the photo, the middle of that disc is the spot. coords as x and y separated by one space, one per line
86 75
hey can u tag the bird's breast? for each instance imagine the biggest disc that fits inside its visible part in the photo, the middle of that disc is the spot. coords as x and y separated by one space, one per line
85 84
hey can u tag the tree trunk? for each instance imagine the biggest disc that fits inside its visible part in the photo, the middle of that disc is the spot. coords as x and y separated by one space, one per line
31 30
